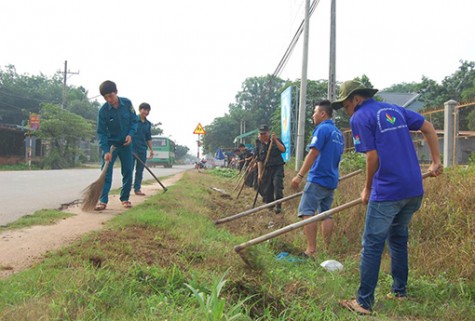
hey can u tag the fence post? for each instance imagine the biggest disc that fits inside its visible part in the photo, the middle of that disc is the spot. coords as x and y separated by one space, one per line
450 133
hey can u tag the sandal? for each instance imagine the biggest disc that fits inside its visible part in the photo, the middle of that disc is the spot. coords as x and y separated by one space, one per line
140 193
100 206
396 296
354 306
126 204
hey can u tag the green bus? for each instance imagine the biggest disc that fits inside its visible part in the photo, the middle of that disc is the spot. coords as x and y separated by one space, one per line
163 152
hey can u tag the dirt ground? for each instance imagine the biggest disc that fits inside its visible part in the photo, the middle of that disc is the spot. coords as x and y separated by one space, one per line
20 249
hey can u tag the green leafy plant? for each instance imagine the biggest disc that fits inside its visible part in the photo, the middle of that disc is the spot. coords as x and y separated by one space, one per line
471 159
212 305
352 161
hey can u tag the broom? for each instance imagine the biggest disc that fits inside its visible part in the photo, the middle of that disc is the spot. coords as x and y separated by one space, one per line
92 193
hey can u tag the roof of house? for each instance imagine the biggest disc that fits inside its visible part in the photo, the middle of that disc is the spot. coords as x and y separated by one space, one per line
407 100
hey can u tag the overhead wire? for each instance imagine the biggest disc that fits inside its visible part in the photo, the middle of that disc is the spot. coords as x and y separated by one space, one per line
293 42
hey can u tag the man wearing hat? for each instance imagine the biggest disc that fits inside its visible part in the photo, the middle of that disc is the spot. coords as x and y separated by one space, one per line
393 189
271 173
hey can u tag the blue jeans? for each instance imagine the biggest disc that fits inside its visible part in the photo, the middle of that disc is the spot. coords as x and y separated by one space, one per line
125 155
385 221
142 154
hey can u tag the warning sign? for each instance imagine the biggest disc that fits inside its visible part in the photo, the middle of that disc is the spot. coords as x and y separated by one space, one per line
199 130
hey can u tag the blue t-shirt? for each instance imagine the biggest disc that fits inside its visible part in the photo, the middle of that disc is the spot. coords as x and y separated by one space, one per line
385 128
328 140
113 125
143 135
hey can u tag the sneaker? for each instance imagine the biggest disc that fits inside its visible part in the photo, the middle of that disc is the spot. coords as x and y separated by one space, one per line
277 210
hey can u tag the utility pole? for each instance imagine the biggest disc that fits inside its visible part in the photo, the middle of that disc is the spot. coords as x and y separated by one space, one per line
303 93
331 75
65 77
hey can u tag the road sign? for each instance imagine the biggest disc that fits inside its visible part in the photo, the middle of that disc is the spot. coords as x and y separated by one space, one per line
34 121
199 130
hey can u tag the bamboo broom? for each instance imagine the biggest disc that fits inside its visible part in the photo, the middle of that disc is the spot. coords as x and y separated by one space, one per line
92 193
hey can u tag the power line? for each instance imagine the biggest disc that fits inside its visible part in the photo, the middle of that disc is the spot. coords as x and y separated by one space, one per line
294 41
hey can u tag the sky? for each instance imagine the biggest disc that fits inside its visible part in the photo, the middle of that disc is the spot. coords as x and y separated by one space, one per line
189 58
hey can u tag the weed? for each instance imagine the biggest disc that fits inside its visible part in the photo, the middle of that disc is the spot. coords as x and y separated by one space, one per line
212 306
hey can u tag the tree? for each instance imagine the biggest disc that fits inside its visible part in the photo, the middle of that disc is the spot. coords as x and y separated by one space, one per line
403 87
180 151
21 95
157 130
63 130
255 104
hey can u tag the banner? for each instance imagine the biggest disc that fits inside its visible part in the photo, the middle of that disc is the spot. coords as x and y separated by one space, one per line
286 105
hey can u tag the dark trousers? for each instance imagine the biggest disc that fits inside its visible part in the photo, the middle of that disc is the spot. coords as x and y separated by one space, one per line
125 155
272 185
142 154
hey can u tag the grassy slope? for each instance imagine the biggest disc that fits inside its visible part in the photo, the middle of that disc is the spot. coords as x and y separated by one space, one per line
137 268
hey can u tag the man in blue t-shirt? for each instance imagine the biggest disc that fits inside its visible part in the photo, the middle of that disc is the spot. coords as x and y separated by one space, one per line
116 125
142 141
393 188
323 158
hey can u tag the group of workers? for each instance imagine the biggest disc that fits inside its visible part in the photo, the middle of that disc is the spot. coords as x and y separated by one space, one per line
393 187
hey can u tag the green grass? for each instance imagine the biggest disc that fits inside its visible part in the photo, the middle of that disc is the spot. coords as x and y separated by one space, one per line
41 217
18 167
166 260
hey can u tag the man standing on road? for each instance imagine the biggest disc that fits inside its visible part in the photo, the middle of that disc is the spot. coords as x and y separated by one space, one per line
393 189
323 158
142 140
116 125
270 177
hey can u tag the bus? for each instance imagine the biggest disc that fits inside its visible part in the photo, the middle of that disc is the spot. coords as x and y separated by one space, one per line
163 152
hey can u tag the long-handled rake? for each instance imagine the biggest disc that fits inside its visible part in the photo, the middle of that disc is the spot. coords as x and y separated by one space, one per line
249 171
239 248
92 193
150 171
271 204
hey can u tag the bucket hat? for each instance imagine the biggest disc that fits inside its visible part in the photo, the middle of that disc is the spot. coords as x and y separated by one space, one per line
352 87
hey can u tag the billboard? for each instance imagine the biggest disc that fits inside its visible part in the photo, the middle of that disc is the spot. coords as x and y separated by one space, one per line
285 115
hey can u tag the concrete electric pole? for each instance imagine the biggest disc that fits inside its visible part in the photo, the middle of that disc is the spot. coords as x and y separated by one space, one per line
303 93
65 77
331 75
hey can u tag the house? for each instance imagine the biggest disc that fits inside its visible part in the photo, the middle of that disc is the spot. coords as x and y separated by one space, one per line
406 100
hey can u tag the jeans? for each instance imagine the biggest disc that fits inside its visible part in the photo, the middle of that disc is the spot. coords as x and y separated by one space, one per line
315 198
142 154
125 155
385 221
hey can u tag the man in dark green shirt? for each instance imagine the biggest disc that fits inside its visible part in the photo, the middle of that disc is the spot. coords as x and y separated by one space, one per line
116 125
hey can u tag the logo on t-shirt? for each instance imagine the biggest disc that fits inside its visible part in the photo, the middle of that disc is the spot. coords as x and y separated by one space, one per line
386 118
356 140
390 119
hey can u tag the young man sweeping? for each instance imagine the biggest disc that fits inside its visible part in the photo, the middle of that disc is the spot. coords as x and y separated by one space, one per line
116 125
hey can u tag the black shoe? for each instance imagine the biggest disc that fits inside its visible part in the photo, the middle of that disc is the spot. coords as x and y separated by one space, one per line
277 210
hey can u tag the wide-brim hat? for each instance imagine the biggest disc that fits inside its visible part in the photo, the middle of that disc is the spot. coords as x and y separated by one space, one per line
349 88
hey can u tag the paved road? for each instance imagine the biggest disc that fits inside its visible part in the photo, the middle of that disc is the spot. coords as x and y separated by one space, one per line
24 192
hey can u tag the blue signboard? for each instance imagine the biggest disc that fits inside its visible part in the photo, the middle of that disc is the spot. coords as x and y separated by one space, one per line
286 105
